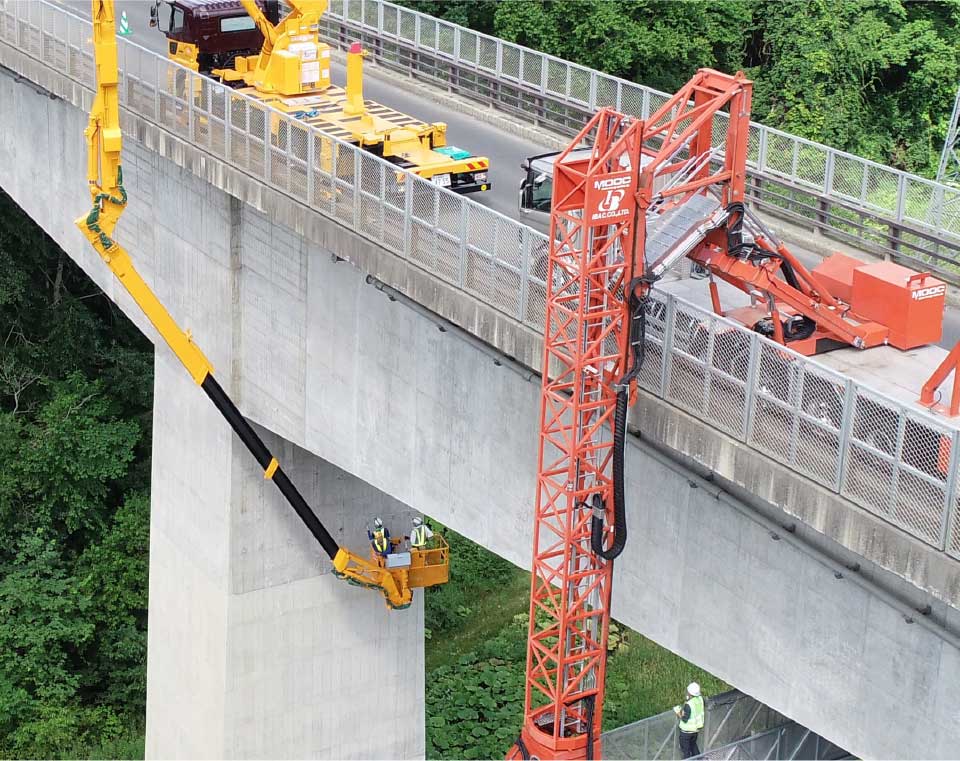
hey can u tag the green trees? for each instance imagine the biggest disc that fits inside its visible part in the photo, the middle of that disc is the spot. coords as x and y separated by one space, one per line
75 397
874 77
656 43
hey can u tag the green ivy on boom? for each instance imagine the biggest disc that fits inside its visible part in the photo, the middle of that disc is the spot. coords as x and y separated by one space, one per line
94 216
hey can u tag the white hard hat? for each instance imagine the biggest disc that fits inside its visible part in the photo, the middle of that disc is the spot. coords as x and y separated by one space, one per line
693 689
417 520
378 523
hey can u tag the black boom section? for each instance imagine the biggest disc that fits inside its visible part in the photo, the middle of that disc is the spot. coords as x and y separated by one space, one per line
263 457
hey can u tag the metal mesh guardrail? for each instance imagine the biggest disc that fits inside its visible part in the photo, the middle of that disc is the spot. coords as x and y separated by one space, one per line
788 742
857 200
729 717
893 460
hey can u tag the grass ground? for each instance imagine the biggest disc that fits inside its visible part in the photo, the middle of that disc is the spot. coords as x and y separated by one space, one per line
475 661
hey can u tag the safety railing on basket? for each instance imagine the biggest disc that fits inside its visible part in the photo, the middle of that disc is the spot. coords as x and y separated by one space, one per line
895 461
853 198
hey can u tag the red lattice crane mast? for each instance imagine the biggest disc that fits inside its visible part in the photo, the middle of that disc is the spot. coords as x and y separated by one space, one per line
597 280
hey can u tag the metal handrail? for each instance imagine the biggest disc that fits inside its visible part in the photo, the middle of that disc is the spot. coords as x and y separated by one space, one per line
560 94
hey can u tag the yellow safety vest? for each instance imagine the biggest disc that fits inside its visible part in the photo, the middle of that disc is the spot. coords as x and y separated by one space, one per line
419 537
380 541
695 722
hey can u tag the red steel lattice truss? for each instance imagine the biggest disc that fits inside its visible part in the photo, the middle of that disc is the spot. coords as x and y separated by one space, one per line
598 229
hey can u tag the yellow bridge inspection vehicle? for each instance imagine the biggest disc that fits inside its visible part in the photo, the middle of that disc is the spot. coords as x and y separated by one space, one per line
105 177
290 71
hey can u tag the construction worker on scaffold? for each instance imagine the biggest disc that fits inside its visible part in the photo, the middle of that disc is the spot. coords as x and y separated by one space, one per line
379 539
420 534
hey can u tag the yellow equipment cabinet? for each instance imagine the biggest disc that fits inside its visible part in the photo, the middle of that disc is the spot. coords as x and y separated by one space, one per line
105 179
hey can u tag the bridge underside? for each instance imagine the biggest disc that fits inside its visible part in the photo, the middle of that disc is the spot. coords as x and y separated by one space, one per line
327 363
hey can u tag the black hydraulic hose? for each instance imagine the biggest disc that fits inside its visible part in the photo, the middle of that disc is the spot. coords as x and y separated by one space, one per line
789 274
637 342
736 246
591 701
264 458
798 328
522 747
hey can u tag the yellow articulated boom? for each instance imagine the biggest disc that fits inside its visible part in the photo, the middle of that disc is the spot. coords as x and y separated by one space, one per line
291 73
394 578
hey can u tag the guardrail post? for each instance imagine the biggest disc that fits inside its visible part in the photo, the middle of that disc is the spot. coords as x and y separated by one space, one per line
525 248
762 150
407 215
750 391
188 83
592 97
666 359
894 486
843 438
707 367
156 89
311 156
464 226
357 189
828 171
645 105
823 209
267 126
901 195
893 239
948 524
227 122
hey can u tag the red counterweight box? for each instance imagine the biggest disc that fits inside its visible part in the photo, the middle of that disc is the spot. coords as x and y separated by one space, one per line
909 303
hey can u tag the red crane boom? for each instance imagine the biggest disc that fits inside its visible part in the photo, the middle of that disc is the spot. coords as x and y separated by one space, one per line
597 280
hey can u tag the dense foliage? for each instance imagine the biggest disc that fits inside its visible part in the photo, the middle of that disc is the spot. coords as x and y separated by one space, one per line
75 399
874 77
476 665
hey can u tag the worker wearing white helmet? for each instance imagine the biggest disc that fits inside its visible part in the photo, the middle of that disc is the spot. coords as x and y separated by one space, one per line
379 538
420 534
691 720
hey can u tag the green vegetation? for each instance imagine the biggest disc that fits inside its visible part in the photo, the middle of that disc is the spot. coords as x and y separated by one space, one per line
476 657
873 77
75 399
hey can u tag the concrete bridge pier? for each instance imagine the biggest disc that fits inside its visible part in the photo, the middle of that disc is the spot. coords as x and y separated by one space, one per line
255 649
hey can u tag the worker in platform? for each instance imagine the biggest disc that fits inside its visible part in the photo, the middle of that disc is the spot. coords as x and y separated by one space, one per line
379 538
420 534
691 720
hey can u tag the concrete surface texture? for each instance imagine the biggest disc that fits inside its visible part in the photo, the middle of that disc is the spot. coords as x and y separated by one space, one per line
255 649
326 362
